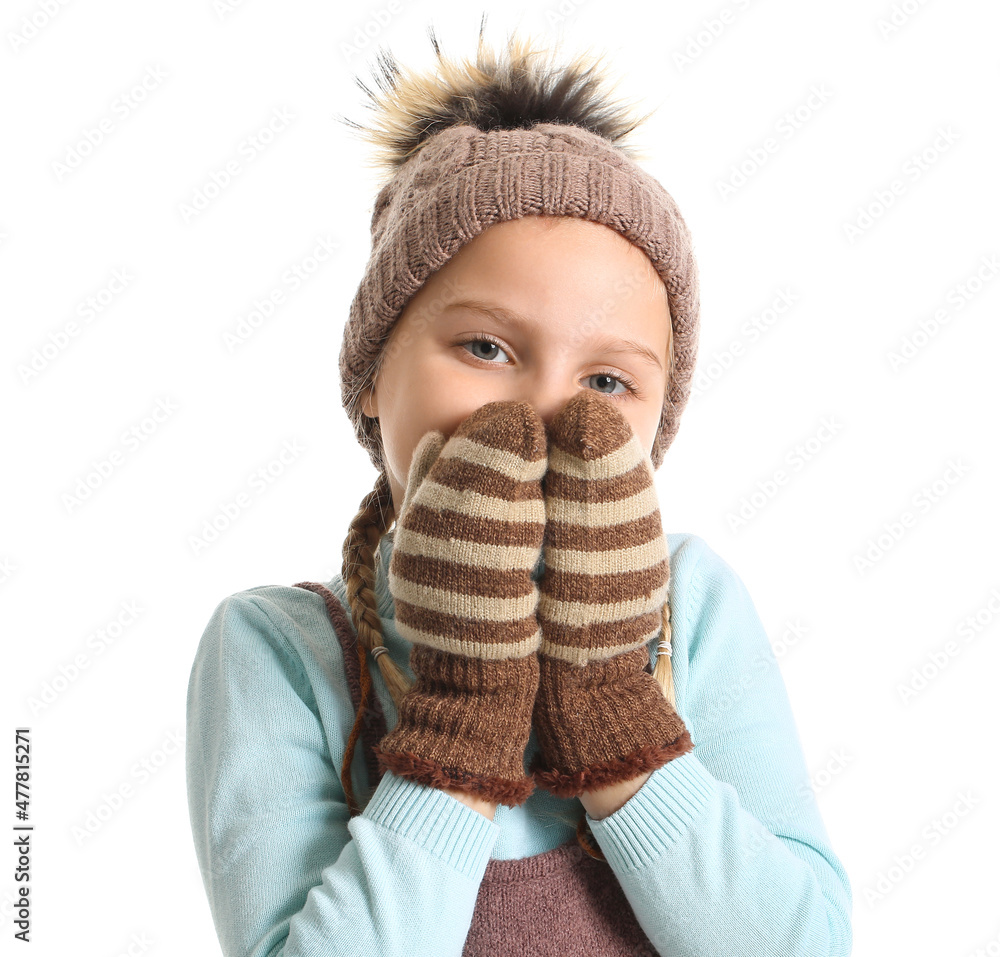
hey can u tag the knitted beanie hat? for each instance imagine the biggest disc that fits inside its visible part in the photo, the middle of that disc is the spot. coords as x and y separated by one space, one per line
479 144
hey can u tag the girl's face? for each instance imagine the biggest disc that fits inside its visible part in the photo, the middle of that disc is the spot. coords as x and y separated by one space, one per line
532 309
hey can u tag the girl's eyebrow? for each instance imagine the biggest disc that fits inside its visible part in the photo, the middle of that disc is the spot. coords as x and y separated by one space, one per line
619 344
495 311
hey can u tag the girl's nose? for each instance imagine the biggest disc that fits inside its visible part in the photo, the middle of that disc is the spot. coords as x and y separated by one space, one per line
547 401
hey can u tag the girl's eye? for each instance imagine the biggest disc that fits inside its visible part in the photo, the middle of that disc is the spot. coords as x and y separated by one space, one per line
492 347
614 378
486 342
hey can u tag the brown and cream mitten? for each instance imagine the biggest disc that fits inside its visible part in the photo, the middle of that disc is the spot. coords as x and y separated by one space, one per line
467 539
600 715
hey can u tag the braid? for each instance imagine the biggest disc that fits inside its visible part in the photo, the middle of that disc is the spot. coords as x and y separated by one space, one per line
372 520
664 671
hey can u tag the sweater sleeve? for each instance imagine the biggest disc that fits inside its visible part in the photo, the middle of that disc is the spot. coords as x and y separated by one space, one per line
723 850
287 871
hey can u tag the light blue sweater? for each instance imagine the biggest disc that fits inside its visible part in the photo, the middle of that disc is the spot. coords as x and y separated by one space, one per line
721 852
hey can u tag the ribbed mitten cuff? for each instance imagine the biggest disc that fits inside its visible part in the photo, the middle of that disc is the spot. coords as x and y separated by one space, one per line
602 724
465 724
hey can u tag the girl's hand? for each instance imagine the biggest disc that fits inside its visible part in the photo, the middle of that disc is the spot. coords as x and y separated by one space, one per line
467 539
600 716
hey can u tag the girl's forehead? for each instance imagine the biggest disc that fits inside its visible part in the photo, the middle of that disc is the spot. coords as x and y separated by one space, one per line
548 276
555 249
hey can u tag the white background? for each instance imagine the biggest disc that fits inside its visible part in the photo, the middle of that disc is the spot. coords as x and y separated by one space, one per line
887 770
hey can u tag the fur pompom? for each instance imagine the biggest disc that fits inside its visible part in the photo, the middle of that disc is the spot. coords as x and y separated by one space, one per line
511 91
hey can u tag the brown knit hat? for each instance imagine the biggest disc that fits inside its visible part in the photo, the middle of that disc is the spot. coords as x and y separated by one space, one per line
479 144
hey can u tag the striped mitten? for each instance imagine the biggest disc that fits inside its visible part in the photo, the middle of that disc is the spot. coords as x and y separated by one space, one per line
467 539
600 715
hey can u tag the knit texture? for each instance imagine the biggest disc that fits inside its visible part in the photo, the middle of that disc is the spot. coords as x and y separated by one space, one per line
517 896
461 182
562 903
468 538
722 851
601 717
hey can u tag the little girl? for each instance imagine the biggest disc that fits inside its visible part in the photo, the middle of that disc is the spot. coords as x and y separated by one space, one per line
576 739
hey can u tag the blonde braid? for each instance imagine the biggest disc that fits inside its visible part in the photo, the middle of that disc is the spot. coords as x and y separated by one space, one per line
664 671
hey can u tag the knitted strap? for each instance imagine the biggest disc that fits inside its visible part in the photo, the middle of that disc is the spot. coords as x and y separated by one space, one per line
369 717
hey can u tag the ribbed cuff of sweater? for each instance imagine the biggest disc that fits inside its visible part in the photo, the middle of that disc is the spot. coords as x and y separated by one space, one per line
655 817
439 823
